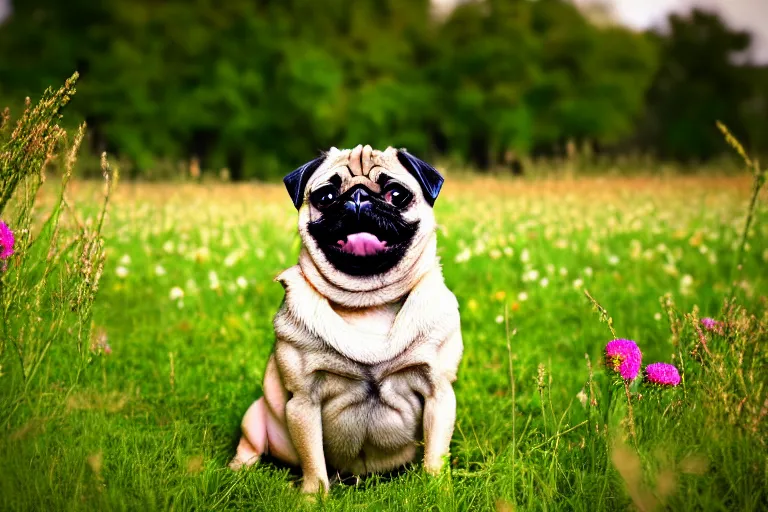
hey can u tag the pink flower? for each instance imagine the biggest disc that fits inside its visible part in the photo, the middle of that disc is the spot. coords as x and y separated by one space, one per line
624 357
6 241
663 374
711 324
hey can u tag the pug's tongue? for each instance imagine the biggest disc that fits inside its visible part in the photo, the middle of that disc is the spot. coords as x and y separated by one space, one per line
362 244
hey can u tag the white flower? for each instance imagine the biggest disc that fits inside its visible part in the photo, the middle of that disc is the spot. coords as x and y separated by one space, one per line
176 293
191 285
125 260
531 275
213 280
241 282
463 256
499 319
522 296
159 270
494 254
232 258
582 396
613 260
168 246
563 271
544 282
578 283
588 272
550 269
202 254
121 271
657 317
525 256
508 251
686 281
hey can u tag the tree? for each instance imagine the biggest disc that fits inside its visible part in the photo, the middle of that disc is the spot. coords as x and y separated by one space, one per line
699 81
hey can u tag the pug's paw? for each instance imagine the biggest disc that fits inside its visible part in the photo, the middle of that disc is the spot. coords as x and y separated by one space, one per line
436 466
310 486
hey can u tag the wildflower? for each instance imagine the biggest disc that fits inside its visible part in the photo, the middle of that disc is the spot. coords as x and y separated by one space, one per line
214 280
126 259
499 319
531 275
242 282
232 258
463 256
6 243
494 254
588 271
176 293
663 374
582 396
544 282
711 324
578 283
613 260
100 342
201 254
121 271
522 296
624 357
159 270
657 317
525 256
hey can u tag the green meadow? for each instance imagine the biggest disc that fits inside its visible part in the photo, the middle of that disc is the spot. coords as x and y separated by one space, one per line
143 412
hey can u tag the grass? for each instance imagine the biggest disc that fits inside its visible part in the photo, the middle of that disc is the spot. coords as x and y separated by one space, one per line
151 422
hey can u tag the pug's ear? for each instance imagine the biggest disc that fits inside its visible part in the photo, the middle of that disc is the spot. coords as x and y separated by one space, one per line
428 177
297 180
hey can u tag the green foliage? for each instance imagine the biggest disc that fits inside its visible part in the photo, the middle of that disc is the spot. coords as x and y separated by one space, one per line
258 87
699 82
153 423
49 284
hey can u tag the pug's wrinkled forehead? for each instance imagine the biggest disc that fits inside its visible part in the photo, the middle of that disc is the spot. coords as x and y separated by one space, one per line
365 166
362 165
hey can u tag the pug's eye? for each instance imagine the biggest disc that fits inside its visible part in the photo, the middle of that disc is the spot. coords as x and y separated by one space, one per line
397 195
324 196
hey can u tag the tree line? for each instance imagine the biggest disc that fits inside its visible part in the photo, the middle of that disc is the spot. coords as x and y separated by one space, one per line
259 86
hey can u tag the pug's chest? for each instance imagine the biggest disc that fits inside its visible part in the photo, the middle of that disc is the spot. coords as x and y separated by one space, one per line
372 411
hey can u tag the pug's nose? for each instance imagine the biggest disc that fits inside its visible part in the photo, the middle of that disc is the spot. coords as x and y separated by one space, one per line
358 201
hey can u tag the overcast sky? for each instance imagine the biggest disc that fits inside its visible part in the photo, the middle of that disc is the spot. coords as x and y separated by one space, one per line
745 14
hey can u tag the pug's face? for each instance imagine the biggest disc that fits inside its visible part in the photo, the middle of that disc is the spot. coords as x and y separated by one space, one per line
365 214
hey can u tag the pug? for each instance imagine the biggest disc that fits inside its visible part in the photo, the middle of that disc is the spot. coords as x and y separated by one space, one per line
368 338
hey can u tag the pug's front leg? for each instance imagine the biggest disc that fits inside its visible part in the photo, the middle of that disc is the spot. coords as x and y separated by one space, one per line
439 418
306 428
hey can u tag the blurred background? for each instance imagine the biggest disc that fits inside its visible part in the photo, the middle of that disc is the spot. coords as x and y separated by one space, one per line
249 89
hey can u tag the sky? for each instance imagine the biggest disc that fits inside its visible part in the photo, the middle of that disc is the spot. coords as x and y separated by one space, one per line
744 14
